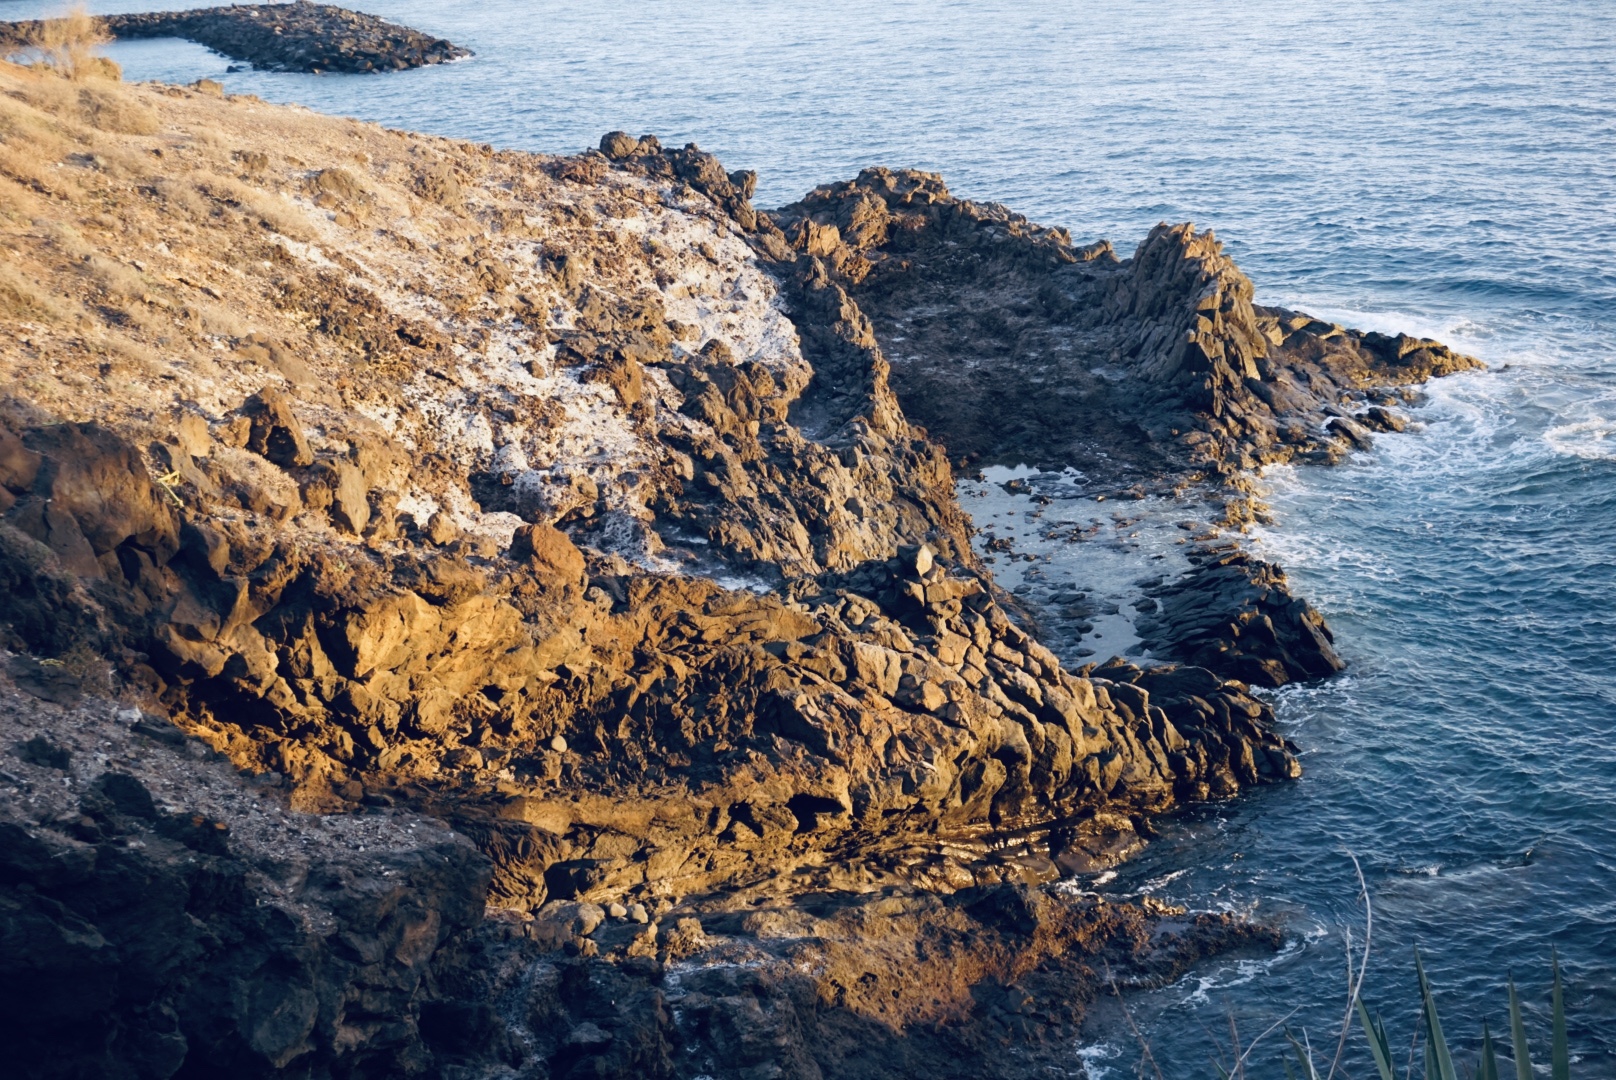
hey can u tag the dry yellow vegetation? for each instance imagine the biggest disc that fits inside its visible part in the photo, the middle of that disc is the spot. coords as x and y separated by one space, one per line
171 251
67 45
146 231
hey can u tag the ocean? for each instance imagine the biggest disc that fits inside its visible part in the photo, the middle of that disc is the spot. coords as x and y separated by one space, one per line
1442 168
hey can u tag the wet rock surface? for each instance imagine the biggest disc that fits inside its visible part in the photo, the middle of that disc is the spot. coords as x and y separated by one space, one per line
569 503
1234 614
298 36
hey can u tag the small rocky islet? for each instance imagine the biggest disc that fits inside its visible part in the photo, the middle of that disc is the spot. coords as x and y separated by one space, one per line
298 36
481 613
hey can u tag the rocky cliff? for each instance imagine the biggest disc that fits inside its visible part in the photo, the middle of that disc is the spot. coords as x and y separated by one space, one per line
575 504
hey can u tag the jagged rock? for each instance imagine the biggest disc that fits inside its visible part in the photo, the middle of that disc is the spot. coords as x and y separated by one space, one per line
149 938
1235 615
441 529
1352 432
1377 418
98 478
1136 370
275 433
549 551
18 464
618 145
350 498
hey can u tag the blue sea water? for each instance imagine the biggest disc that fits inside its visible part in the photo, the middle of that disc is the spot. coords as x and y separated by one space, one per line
1442 167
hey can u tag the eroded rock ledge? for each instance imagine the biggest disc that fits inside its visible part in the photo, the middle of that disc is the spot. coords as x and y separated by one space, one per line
566 501
1151 375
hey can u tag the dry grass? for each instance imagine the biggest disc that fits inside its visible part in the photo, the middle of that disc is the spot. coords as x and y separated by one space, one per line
117 280
144 228
67 44
217 320
25 301
180 199
109 110
265 207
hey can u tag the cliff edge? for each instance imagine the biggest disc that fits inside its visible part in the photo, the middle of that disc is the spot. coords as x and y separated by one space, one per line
574 504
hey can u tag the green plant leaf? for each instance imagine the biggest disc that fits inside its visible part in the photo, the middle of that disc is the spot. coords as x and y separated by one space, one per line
1488 1068
1302 1059
1560 1054
1379 1048
1433 1029
1517 1034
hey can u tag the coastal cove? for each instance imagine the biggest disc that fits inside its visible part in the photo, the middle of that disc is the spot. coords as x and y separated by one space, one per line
1430 169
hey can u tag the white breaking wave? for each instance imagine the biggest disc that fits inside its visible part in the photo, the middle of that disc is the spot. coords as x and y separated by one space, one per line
1594 438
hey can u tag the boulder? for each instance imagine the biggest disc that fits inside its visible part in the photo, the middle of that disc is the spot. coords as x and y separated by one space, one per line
350 499
58 530
1352 432
275 433
18 464
99 479
618 145
549 551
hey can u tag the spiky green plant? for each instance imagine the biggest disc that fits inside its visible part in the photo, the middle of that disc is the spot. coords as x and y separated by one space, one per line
1439 1061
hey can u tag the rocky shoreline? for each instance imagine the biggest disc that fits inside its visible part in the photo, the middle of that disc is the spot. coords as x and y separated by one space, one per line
296 36
414 526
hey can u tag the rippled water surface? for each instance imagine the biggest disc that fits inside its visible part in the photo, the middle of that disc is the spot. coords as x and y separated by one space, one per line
1445 168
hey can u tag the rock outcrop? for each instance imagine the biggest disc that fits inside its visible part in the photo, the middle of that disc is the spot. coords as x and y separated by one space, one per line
165 915
160 913
1011 344
569 502
297 36
1235 614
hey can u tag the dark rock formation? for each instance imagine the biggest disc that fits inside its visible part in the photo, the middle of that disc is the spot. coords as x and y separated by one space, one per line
168 916
163 915
298 36
874 723
1235 615
1011 345
881 985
